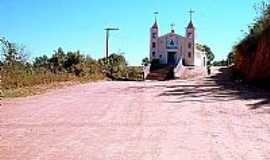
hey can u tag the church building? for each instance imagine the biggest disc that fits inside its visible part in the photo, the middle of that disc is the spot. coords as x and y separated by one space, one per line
174 49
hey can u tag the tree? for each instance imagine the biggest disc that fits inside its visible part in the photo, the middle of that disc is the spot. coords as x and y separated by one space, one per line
145 62
220 63
230 58
210 55
73 62
91 66
12 53
57 61
41 62
115 66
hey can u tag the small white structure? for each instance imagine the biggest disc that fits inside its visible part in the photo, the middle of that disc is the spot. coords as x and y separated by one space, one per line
174 49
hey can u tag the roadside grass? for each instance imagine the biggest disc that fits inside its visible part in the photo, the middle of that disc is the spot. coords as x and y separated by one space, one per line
23 86
23 79
34 90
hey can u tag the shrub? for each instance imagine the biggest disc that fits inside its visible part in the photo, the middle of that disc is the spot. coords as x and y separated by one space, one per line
115 67
135 73
16 72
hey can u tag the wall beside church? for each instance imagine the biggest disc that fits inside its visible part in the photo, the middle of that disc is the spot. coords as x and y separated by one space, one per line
200 59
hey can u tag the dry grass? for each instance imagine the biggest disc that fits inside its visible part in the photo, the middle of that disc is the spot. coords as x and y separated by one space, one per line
20 82
22 85
42 88
35 90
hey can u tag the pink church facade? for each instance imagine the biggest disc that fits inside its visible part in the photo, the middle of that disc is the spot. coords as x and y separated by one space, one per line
173 49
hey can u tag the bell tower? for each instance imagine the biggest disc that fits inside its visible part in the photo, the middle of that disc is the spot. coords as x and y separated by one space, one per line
190 35
154 33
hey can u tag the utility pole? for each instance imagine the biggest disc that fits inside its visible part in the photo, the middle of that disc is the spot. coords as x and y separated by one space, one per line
107 39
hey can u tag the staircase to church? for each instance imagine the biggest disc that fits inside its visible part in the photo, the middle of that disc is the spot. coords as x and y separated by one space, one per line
161 73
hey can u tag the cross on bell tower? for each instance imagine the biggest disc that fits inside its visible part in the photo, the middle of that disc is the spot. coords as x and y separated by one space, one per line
173 27
190 35
154 38
191 12
156 13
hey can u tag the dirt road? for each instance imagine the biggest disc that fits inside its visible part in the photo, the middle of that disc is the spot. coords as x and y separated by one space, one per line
174 120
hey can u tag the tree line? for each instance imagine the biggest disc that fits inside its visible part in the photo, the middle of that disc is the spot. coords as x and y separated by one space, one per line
17 71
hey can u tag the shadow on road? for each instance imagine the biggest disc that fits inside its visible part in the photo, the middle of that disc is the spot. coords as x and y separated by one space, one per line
243 91
219 88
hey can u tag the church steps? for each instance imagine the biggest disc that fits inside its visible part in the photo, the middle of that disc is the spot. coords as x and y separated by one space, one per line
161 74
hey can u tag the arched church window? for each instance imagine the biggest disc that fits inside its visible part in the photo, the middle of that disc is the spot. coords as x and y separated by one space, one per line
189 35
172 43
154 35
189 54
153 54
189 45
153 45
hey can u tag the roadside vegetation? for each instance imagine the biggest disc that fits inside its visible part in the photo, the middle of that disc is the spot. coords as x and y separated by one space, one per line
220 63
251 56
22 77
210 57
229 61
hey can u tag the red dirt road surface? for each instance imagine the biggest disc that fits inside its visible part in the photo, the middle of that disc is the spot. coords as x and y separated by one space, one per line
173 120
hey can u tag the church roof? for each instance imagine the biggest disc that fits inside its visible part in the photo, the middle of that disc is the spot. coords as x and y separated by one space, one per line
171 34
190 25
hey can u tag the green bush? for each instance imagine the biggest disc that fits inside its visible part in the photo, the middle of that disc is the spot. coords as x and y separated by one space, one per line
16 72
135 73
246 51
115 67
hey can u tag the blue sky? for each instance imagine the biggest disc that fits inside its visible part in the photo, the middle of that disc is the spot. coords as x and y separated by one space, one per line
44 25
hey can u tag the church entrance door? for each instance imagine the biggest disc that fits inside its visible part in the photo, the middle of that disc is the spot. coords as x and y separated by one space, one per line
171 58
